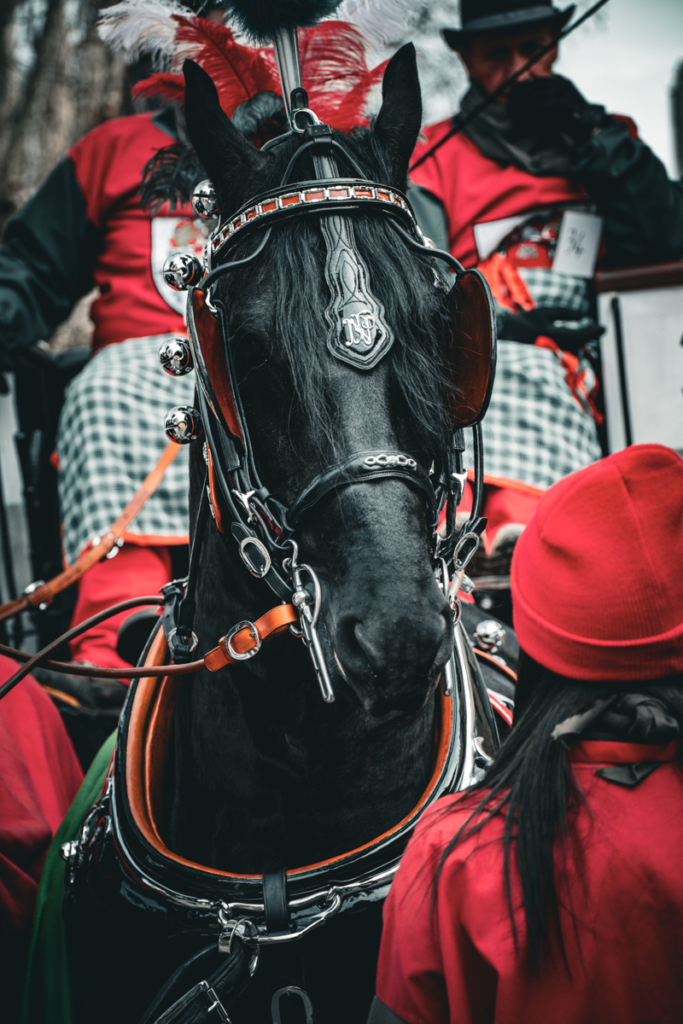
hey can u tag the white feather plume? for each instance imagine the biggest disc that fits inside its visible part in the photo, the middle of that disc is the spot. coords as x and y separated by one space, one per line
134 27
381 21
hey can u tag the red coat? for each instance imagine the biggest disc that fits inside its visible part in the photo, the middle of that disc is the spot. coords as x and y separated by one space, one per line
85 227
39 777
133 300
625 891
475 189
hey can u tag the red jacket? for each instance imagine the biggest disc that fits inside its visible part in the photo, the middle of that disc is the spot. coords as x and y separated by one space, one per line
133 301
625 890
475 189
85 227
39 777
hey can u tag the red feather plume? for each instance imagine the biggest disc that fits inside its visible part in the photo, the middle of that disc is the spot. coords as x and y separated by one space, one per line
335 74
239 72
170 87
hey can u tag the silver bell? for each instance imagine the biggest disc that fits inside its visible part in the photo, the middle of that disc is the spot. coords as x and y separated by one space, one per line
181 270
489 635
204 200
183 424
175 355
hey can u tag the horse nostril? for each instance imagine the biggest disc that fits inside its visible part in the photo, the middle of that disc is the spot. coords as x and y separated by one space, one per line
350 652
393 649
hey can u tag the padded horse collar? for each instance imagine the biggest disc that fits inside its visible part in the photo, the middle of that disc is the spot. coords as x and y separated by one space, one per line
120 854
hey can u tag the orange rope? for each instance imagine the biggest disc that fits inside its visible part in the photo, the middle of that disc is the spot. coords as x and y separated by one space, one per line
46 591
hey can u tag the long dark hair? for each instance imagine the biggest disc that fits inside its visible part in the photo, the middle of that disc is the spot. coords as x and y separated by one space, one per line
531 783
288 308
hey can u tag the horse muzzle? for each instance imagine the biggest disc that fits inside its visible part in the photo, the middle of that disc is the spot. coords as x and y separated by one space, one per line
391 653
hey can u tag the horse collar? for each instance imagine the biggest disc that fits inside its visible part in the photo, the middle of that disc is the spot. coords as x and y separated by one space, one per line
190 897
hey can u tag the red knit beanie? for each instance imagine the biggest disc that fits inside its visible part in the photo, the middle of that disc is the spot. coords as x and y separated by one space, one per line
597 575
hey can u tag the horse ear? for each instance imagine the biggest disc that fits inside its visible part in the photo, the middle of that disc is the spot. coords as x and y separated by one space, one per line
398 122
227 157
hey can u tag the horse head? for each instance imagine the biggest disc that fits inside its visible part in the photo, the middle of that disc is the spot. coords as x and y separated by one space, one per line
386 620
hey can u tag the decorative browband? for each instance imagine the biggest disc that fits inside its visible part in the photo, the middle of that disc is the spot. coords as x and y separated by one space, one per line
330 195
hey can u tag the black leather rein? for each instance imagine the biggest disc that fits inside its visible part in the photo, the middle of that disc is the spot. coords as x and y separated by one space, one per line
361 467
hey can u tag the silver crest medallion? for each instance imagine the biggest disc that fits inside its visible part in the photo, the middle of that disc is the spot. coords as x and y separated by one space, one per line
358 334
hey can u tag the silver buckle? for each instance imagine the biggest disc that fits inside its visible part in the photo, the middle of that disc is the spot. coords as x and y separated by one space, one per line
235 655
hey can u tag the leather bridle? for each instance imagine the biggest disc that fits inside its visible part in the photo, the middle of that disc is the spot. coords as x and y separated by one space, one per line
263 526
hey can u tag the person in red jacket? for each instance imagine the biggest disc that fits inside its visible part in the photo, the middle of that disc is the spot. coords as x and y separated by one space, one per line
533 190
85 227
553 889
39 777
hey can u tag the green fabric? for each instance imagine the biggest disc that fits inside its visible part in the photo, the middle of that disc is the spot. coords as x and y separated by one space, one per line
47 993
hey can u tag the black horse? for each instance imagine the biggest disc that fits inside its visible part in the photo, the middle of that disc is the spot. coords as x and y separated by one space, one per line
260 773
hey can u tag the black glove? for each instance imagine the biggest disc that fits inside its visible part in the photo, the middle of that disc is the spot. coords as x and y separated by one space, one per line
554 106
526 327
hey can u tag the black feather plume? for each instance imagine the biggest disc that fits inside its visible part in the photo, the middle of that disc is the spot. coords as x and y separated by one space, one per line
262 18
170 177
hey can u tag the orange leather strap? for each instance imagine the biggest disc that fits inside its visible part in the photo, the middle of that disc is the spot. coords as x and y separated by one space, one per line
46 591
504 669
218 518
273 622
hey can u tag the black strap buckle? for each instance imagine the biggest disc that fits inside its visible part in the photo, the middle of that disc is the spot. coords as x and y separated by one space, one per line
176 620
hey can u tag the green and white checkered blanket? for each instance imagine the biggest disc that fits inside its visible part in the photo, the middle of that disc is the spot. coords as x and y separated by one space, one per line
535 431
110 436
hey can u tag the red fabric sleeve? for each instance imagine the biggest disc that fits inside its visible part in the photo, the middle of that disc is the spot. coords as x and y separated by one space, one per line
39 777
429 175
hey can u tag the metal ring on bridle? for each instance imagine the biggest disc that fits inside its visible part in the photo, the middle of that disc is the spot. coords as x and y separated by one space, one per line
256 570
317 593
473 540
192 646
302 110
235 655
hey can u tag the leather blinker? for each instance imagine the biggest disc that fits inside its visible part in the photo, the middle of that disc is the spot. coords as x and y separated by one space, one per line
471 356
207 337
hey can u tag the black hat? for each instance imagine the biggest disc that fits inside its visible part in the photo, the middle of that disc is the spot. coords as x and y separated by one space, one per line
505 17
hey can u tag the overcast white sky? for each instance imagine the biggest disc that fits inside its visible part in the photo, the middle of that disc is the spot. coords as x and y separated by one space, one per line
626 60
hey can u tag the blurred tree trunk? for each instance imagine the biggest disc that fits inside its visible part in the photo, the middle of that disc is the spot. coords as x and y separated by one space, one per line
57 81
69 84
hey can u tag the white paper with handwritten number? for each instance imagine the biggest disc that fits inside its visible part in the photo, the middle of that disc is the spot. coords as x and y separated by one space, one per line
578 244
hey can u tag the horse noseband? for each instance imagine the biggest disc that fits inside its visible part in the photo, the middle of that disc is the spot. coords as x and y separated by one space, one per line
360 468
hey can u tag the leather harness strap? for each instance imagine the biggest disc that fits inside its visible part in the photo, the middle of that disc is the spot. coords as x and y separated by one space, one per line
328 195
246 638
362 467
275 900
45 592
241 643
